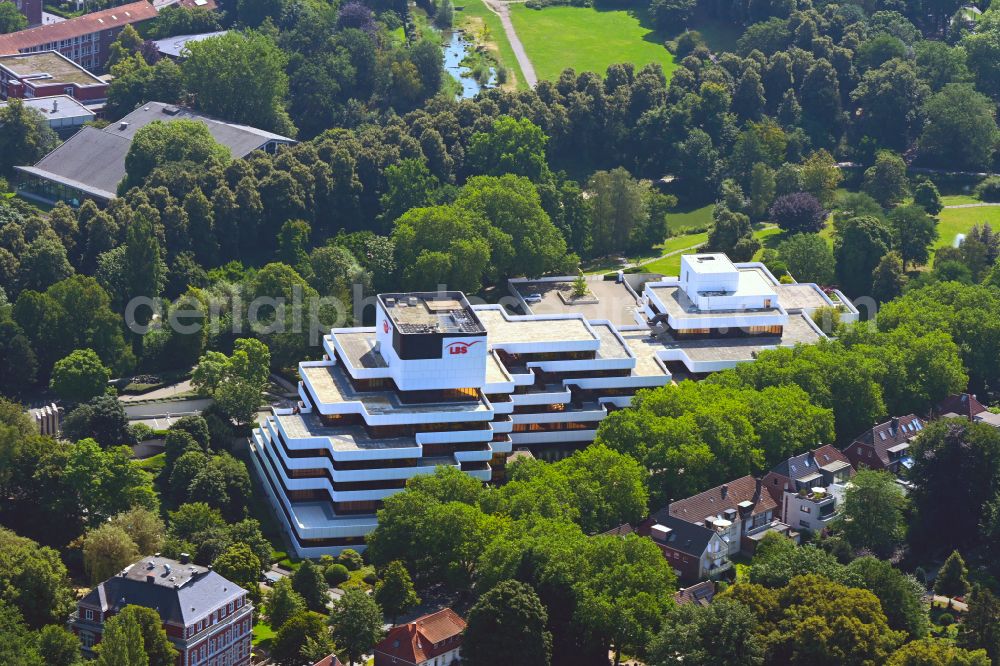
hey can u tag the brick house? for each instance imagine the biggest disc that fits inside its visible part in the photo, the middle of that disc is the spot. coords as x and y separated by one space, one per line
430 640
85 40
695 552
808 487
740 511
966 406
886 446
208 618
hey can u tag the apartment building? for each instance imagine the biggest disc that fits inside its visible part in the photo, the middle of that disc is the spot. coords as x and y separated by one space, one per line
86 40
438 381
208 618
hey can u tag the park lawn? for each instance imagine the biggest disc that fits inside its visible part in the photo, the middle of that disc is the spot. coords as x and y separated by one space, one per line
955 221
958 199
586 39
672 265
681 221
472 16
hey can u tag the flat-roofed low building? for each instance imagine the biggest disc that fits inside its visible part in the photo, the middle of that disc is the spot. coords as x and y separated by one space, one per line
46 74
175 47
92 163
62 113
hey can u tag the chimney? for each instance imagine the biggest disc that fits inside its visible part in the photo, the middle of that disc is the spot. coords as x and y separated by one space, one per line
725 490
150 578
55 105
185 558
757 488
895 424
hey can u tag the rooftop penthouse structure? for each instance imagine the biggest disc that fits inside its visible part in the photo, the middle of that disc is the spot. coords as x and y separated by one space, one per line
438 381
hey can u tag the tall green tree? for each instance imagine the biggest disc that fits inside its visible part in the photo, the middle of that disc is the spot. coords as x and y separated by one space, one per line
394 591
25 136
507 625
356 622
915 232
873 512
952 579
80 376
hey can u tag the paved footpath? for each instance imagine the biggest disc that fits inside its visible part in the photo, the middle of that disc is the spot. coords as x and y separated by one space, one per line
502 9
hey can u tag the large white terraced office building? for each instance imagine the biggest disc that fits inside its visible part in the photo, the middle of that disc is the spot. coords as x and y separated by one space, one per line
438 381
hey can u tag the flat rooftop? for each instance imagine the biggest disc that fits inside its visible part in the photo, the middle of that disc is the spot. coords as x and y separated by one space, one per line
67 107
710 263
644 348
341 438
359 347
796 331
611 346
314 514
615 302
679 306
333 386
801 297
430 312
48 68
503 330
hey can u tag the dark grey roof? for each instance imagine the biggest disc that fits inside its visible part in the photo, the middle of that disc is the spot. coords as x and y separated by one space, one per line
182 594
798 467
93 160
240 139
684 536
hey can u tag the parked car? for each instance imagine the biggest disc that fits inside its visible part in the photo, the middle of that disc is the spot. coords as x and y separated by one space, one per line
533 298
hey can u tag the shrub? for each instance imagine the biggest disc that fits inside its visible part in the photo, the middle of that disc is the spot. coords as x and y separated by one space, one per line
336 574
351 559
370 578
989 189
946 619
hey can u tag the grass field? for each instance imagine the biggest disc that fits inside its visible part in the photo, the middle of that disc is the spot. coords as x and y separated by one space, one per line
586 39
693 218
672 265
959 220
473 16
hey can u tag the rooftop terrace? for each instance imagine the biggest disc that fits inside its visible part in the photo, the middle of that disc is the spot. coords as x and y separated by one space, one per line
342 438
614 301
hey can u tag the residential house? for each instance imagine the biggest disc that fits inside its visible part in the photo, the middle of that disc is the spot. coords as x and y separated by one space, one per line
740 511
809 487
694 551
86 40
966 406
208 618
430 640
700 593
329 660
886 446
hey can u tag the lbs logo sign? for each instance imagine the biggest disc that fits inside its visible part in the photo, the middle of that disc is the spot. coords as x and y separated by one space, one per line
457 348
385 325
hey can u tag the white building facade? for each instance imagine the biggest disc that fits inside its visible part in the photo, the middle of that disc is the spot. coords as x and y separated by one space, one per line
435 382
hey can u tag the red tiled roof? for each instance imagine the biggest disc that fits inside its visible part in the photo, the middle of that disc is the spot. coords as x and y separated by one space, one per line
424 638
699 593
727 496
827 454
622 530
893 432
329 660
105 19
963 404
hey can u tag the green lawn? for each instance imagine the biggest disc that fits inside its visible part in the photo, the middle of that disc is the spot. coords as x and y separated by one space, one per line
672 265
960 220
586 39
262 633
473 16
683 220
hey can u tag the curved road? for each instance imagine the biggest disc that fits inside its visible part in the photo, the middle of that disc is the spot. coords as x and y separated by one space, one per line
501 9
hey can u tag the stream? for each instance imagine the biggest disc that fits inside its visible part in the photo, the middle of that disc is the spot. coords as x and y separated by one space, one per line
456 47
